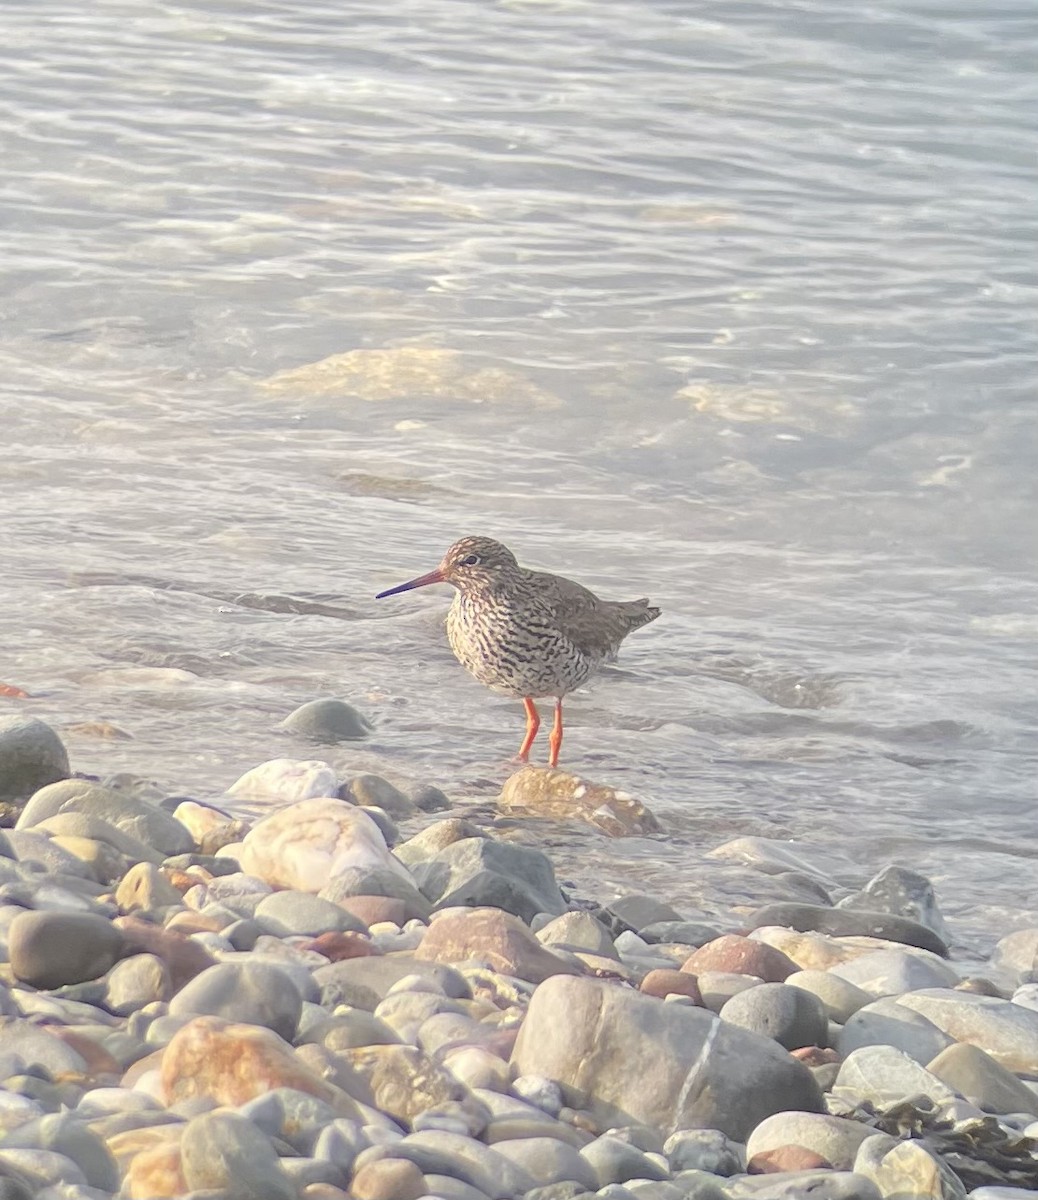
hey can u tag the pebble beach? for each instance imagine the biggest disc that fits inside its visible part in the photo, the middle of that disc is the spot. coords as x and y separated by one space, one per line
369 994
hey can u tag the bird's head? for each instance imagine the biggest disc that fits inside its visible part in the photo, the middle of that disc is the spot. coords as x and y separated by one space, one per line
470 565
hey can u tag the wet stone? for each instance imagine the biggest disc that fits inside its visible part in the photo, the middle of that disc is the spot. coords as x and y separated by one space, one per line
31 756
327 721
558 794
903 893
372 791
478 871
848 922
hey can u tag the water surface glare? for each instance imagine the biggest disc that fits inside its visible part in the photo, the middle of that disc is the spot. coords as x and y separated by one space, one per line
728 305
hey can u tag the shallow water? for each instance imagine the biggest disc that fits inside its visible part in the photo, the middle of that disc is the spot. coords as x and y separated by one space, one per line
730 306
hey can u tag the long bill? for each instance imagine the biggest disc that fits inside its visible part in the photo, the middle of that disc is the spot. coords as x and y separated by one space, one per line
422 581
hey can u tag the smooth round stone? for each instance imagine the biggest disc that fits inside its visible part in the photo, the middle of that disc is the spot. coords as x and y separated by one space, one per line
476 871
888 1023
443 1030
1017 955
906 1168
287 780
705 1150
848 922
1007 1031
578 931
16 1111
614 1161
743 956
340 1141
428 798
133 815
716 988
144 888
1027 996
41 1168
540 1092
65 1134
700 1185
840 998
883 1075
51 949
406 1012
292 1116
388 1179
327 720
306 845
307 1174
372 791
136 982
223 1150
257 993
834 1139
476 1067
893 972
431 840
353 1027
31 756
982 1080
667 982
445 1187
39 851
546 1160
463 1158
106 1101
291 913
465 1116
818 1185
351 881
788 1015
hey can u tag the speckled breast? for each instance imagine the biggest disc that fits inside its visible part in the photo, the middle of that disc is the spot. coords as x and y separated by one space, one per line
513 649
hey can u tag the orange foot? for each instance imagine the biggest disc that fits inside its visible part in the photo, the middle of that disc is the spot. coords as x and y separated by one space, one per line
16 693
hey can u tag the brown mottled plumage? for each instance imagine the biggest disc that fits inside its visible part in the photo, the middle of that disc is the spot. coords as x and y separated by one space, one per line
527 633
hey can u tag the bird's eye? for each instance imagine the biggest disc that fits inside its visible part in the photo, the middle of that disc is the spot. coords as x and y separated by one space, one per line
471 561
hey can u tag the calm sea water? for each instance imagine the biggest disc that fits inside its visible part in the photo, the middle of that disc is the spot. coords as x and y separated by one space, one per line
730 305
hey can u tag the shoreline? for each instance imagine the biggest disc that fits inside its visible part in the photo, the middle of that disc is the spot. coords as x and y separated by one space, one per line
368 994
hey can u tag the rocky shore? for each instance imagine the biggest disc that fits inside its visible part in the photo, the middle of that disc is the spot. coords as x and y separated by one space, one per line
367 995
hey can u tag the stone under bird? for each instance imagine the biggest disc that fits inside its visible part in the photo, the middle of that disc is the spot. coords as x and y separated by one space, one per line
527 634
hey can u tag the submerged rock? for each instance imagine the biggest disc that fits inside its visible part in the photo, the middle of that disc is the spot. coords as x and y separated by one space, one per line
542 792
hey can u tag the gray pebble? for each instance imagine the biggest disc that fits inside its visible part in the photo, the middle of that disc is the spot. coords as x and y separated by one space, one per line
327 721
704 1150
289 913
48 949
31 756
255 992
616 1161
790 1016
224 1150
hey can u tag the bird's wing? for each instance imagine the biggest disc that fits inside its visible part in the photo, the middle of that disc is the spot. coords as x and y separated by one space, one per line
596 627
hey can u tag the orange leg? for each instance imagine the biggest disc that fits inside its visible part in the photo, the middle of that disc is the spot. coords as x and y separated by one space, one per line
555 737
533 723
